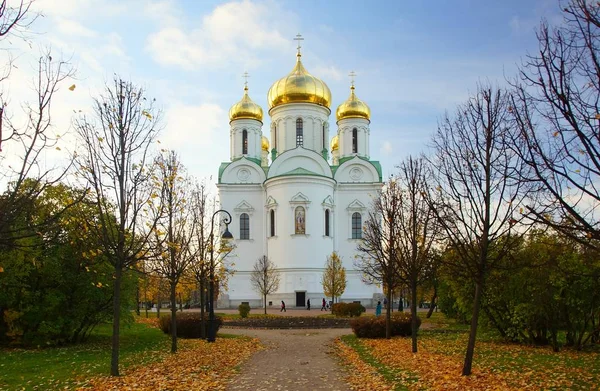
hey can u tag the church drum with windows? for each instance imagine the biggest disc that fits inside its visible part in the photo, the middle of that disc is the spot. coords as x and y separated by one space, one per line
290 198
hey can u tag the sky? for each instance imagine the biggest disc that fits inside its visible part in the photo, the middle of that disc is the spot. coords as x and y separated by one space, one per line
414 60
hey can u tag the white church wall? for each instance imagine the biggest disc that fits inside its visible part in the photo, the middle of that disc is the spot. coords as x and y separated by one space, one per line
288 249
253 127
313 117
345 127
249 199
243 171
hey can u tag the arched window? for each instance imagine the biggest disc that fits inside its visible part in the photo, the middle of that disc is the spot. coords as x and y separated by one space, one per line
244 142
275 138
354 140
324 145
244 226
356 226
299 133
272 216
326 222
300 221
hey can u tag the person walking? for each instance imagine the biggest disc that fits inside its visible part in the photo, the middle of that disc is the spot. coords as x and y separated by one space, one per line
378 309
323 305
308 304
283 306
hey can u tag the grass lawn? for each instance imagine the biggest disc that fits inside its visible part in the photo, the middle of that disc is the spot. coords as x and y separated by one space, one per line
60 367
497 365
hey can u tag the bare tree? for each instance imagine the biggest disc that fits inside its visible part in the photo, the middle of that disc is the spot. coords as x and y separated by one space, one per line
378 250
333 279
16 18
557 110
265 278
203 206
478 194
417 231
23 145
113 161
175 230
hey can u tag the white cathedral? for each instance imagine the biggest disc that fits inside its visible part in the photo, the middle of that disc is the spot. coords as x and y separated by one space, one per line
289 198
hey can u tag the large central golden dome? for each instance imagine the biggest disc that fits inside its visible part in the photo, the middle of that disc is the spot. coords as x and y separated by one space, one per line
299 86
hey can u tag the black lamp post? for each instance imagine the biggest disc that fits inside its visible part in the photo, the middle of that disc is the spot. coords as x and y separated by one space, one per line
212 333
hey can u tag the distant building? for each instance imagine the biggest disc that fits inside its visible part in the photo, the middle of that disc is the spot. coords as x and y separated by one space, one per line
288 198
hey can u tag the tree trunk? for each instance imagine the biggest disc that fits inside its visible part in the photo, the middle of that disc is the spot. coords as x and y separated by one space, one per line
137 298
388 317
473 333
265 296
158 303
202 302
433 303
173 317
413 314
114 361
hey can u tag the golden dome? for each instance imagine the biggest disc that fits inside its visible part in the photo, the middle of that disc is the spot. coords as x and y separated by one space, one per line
335 143
353 108
299 86
264 143
246 109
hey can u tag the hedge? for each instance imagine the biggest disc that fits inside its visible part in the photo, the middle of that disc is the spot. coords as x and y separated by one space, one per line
374 326
188 324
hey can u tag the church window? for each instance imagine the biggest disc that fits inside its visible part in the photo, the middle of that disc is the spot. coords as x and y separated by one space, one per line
299 133
327 222
244 226
244 142
300 221
356 226
324 145
275 138
272 218
354 140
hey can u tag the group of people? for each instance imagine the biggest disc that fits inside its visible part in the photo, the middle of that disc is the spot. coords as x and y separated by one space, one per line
324 305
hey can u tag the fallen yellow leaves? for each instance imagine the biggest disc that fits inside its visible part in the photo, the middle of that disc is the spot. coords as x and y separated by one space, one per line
497 366
361 376
198 365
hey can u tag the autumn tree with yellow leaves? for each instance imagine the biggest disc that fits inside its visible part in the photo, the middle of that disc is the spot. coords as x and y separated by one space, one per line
114 162
334 279
175 231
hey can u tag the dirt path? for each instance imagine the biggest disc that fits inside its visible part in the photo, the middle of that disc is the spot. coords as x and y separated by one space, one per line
294 360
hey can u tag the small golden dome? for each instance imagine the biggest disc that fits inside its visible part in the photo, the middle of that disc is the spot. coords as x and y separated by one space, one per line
299 86
335 143
353 108
246 109
264 143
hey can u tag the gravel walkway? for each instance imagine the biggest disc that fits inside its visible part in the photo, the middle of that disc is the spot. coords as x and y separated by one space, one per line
293 360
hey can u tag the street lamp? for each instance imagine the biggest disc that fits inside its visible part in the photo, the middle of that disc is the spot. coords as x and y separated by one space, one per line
212 333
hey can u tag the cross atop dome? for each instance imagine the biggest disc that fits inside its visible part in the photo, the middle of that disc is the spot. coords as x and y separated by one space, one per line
352 74
299 38
245 76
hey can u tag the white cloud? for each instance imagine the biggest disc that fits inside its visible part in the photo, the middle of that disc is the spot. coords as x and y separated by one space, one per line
328 72
192 126
233 32
386 148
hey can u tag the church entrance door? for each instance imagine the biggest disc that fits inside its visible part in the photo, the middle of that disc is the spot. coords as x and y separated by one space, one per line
300 299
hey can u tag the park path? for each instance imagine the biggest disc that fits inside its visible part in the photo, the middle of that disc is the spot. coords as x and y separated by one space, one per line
293 360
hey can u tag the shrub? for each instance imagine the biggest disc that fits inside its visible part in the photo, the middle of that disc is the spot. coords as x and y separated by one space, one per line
346 310
374 326
244 310
188 324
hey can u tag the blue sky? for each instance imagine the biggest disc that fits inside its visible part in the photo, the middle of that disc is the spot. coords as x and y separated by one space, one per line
414 60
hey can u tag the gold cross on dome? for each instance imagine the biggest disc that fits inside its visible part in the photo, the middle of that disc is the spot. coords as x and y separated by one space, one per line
298 38
246 76
352 74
